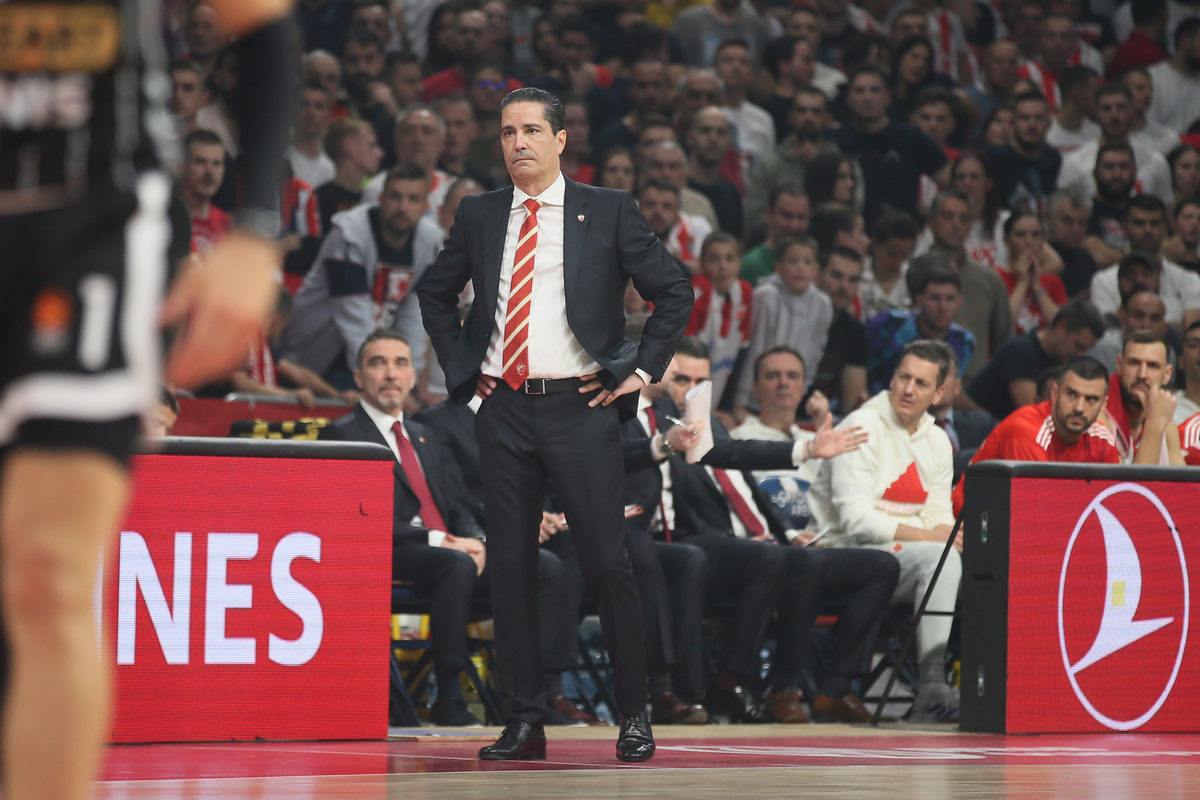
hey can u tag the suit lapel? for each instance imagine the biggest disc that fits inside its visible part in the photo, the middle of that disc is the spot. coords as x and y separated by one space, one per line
495 229
575 227
371 433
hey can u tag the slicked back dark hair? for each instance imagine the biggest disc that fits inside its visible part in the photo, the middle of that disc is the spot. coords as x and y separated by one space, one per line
375 336
553 110
934 351
774 351
1079 314
1088 368
693 347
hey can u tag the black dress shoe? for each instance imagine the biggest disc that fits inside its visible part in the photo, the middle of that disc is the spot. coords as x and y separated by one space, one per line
636 741
520 741
739 702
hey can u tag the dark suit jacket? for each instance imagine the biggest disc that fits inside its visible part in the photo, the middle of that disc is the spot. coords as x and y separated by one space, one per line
605 243
441 473
455 426
643 478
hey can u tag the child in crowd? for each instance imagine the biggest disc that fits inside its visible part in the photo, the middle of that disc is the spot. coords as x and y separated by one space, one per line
721 315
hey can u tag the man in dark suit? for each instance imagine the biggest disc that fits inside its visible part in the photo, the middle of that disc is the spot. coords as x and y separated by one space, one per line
725 512
436 542
544 344
966 427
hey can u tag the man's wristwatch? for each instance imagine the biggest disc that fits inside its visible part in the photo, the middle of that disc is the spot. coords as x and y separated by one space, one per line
665 446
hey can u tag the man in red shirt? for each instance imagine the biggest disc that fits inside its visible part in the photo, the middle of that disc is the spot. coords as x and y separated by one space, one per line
1189 433
1140 408
203 174
1063 428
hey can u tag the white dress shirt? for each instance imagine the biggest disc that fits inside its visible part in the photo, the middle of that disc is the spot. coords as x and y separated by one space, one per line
554 352
666 505
384 422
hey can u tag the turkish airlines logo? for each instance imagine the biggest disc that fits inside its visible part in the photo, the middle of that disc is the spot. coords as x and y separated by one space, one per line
1135 643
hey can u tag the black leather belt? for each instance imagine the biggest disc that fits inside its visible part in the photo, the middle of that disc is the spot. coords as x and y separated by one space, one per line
551 385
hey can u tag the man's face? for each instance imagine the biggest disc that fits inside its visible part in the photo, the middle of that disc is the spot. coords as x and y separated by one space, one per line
473 35
907 25
1030 124
312 118
667 164
648 88
661 210
364 151
406 83
889 256
202 32
160 422
734 67
1027 26
531 149
1085 96
841 280
1063 345
1000 66
374 19
709 136
1145 229
187 94
575 121
1139 275
914 388
779 385
683 374
936 120
449 208
385 376
1076 403
362 63
402 204
1115 115
1187 224
1189 357
575 49
1068 225
805 25
1141 367
1058 41
938 305
204 170
809 115
1114 175
461 128
789 217
802 65
951 224
1145 311
868 98
700 90
650 138
1142 89
720 264
419 136
326 71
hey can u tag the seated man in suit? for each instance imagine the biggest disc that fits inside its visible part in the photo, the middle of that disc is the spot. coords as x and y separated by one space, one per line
454 425
725 510
436 542
966 427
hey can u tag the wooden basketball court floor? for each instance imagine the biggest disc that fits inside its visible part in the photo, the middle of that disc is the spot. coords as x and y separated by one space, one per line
713 762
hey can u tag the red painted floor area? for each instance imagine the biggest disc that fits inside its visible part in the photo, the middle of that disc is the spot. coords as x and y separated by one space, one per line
269 759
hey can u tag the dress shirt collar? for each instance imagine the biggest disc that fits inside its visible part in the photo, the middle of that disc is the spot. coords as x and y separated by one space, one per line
383 420
948 416
474 403
643 403
553 196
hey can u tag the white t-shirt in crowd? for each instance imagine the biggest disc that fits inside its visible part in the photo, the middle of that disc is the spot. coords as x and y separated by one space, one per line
313 171
1176 103
1179 289
1153 172
1066 141
1155 137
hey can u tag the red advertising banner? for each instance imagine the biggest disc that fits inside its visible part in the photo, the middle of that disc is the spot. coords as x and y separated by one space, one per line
248 598
1102 633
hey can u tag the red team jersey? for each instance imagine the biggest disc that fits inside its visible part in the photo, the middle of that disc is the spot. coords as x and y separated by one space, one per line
1189 438
206 231
1028 434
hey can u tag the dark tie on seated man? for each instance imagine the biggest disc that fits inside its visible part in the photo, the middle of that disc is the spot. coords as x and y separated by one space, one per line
544 344
436 542
719 508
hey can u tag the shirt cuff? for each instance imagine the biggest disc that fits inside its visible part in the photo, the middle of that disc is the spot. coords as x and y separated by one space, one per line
656 450
645 376
798 453
436 538
791 533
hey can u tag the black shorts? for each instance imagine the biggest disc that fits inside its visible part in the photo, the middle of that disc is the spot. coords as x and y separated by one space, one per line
79 294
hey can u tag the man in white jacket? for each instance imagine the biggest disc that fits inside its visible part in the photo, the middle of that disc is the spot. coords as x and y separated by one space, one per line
893 494
363 279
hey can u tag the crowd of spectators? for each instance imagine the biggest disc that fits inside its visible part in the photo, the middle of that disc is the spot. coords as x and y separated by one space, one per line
927 218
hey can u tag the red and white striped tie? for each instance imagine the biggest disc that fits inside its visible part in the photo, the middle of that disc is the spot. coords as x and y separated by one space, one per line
520 298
